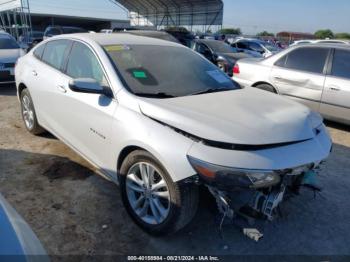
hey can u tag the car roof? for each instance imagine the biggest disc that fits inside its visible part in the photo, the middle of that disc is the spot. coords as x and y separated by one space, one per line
329 45
118 39
145 32
321 45
250 40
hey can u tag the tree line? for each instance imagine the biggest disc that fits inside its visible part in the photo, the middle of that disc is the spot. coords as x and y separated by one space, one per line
320 34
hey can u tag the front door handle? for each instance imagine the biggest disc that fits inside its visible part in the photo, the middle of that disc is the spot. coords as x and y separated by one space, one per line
34 73
62 89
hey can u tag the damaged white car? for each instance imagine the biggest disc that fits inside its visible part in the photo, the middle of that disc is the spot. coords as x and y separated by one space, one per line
160 120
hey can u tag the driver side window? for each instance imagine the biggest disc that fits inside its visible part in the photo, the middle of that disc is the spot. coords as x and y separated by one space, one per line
83 63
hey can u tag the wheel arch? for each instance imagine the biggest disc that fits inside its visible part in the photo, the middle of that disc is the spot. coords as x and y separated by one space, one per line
125 152
21 87
265 83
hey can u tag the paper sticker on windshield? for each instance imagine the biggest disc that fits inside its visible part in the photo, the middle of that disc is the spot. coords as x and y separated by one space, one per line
219 76
139 74
117 48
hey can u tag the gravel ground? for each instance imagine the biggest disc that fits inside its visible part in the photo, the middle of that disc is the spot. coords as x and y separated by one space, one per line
75 212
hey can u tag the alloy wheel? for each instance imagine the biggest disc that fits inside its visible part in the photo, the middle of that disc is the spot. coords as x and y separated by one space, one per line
27 112
148 193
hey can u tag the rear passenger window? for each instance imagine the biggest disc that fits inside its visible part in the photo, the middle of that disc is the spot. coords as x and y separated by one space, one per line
38 52
54 53
282 61
341 64
307 59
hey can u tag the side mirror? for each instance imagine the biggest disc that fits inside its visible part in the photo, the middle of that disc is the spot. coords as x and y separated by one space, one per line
86 85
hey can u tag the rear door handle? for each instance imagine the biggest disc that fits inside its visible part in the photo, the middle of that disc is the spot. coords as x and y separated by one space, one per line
62 89
334 88
34 73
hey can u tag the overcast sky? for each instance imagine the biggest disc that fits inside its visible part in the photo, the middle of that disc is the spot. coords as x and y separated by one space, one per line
251 16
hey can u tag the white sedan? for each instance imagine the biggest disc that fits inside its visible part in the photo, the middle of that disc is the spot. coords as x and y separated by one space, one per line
160 120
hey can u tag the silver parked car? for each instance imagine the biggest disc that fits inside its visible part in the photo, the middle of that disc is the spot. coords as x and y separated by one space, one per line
10 51
316 75
160 128
256 46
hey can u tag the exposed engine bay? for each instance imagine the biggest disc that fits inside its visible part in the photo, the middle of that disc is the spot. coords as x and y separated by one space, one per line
255 205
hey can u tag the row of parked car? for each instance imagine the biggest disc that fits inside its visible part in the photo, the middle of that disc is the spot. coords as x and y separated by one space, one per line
317 75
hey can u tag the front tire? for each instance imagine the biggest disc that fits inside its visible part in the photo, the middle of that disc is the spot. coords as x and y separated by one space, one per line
157 204
28 114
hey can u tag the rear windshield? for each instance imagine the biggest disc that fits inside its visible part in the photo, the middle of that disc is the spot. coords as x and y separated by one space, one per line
219 47
171 71
8 43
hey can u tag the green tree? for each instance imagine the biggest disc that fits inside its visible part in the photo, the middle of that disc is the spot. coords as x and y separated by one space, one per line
231 31
324 33
265 33
342 36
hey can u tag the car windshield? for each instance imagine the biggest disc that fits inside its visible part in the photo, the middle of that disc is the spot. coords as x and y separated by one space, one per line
219 47
270 47
8 43
165 71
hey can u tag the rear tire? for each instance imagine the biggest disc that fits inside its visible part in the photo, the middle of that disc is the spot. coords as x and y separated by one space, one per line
28 114
173 208
267 87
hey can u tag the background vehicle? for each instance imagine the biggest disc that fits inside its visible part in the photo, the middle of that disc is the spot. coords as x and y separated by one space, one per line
316 75
219 53
107 31
10 51
184 37
160 127
153 34
258 46
61 30
16 238
31 40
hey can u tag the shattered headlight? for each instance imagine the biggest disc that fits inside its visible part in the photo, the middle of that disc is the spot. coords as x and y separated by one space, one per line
228 177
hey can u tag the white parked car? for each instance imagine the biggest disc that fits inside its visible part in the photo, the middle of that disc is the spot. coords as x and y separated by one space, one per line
317 75
159 120
10 51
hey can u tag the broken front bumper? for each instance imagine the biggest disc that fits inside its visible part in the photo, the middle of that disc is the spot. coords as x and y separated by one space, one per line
253 194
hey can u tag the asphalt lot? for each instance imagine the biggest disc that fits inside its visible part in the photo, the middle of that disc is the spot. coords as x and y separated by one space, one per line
75 212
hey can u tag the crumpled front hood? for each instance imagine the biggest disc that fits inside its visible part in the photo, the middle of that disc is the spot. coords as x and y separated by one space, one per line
244 116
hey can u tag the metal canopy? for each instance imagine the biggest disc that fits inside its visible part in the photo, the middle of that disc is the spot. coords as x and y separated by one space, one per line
174 12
